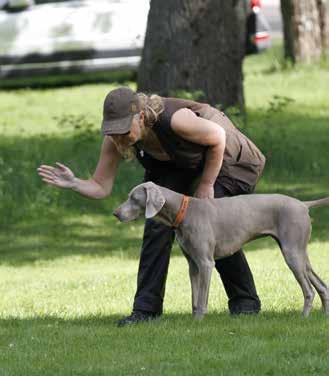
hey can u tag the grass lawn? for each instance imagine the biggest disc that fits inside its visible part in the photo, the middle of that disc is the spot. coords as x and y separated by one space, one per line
68 269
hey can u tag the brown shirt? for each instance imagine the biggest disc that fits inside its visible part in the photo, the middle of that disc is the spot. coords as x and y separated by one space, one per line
242 159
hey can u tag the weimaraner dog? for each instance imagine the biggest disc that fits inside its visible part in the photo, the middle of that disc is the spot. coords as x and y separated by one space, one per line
216 228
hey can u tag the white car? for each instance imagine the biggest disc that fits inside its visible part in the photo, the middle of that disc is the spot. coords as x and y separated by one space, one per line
67 36
44 36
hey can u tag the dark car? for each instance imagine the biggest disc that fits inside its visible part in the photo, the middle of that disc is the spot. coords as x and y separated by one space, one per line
258 29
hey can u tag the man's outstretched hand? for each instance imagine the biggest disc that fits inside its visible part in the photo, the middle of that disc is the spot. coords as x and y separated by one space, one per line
59 176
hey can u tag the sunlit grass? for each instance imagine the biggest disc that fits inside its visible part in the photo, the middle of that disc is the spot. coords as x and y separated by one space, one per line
68 268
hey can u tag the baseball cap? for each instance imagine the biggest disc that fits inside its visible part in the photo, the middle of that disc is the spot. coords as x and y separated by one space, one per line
120 105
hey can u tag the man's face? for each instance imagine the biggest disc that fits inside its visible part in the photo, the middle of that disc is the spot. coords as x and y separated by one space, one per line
135 134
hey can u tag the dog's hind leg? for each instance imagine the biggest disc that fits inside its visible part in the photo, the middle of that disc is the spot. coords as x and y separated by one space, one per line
320 286
296 260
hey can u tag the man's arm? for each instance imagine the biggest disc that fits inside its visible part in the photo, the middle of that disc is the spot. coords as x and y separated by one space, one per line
101 183
204 132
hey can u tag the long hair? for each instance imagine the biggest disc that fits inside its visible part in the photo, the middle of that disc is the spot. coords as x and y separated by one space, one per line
125 152
152 105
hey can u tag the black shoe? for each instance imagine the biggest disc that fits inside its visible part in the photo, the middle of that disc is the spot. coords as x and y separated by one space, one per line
137 317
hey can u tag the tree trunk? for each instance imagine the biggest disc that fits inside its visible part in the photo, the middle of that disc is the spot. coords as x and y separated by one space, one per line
195 45
323 6
305 27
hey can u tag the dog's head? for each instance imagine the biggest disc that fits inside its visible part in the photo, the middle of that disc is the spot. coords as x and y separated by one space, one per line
146 198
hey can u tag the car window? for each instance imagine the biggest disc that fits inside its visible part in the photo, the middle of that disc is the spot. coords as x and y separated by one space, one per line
3 3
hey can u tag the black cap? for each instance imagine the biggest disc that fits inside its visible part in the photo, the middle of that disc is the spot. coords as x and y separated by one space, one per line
120 105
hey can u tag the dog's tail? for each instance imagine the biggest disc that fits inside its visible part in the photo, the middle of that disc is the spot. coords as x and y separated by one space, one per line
321 202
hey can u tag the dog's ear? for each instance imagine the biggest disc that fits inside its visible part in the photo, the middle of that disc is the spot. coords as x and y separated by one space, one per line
154 200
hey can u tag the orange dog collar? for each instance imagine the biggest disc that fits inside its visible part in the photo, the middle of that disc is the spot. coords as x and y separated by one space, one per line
182 211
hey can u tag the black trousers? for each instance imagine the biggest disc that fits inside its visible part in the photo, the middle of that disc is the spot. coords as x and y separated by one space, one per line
157 243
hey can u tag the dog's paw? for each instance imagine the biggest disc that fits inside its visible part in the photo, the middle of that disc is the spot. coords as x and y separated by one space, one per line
198 315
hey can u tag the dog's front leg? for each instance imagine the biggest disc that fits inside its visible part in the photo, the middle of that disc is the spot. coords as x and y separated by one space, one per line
204 277
194 278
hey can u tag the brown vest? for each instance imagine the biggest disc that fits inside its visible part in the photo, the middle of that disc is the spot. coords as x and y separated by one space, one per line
242 159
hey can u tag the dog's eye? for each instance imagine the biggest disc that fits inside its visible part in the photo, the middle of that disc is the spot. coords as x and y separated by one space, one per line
133 199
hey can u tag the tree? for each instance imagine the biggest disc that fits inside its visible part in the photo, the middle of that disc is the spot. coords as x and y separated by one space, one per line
195 45
306 29
323 6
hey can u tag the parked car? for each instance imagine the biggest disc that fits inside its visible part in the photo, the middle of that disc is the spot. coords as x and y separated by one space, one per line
258 29
75 35
65 36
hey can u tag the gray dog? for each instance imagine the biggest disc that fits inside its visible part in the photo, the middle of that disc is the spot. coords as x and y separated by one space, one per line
210 229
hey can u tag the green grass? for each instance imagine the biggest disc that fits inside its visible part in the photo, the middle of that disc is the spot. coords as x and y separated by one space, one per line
68 269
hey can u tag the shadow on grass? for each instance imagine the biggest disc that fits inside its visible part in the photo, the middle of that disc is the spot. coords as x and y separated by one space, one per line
67 80
34 219
34 241
173 319
98 235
